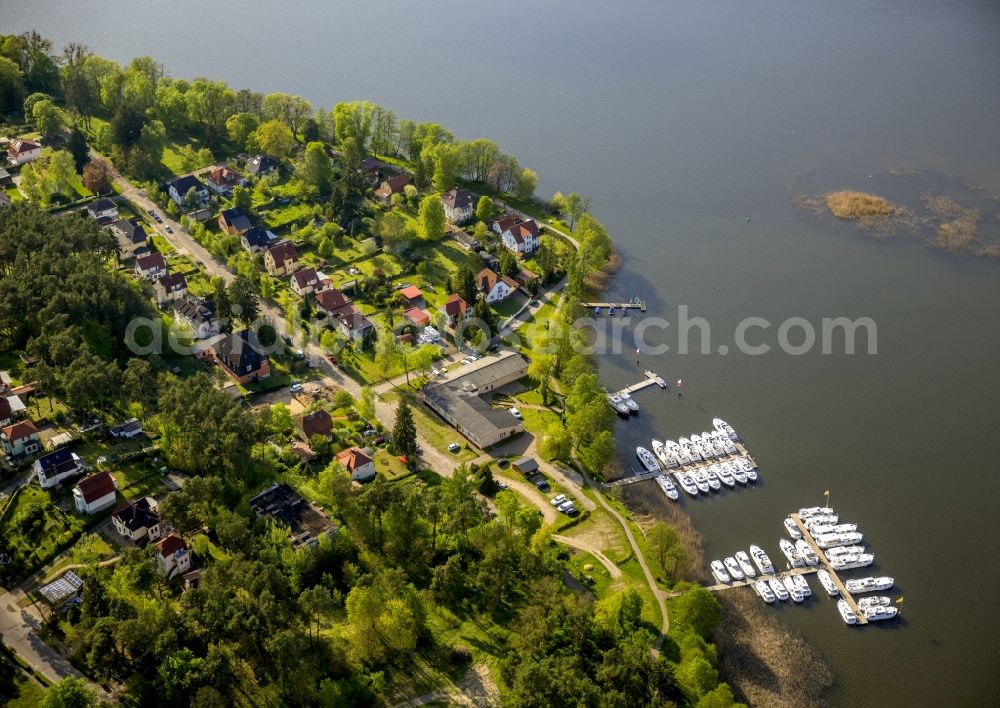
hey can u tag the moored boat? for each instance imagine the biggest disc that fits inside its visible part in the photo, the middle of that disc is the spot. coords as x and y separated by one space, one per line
868 584
874 601
668 487
764 591
618 404
806 512
647 459
747 469
836 551
778 588
724 427
762 561
803 585
701 481
724 475
792 528
880 612
664 455
794 559
826 580
838 528
719 571
629 402
687 483
738 474
745 565
846 612
793 589
829 540
852 560
733 567
713 479
806 552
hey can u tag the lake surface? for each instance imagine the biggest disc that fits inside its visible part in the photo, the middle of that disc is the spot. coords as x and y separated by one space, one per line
680 120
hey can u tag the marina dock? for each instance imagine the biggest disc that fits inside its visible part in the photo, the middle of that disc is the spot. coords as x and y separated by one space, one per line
634 305
749 583
829 569
652 379
741 451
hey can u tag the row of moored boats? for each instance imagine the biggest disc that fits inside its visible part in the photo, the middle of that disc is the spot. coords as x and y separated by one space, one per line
623 403
770 587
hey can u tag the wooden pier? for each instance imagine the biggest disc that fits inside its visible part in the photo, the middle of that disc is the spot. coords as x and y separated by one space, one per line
748 583
652 379
833 574
634 305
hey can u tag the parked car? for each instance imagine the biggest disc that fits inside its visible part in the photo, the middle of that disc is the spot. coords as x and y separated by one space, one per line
295 387
516 413
543 485
379 440
503 463
169 230
465 361
453 447
565 507
557 500
503 485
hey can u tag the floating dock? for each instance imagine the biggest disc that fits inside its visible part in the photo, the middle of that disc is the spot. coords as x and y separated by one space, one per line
749 583
829 569
633 305
652 379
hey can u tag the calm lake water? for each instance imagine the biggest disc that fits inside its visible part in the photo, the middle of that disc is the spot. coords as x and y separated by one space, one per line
680 120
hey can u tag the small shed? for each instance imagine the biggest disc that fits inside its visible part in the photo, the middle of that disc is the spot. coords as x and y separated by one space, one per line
526 466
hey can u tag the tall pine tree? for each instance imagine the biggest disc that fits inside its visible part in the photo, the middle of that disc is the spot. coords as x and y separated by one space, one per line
404 432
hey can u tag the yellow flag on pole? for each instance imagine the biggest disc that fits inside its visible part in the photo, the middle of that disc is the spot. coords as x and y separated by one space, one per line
899 600
826 493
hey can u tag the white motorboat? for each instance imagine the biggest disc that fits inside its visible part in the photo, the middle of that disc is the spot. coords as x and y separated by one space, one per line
778 588
792 528
627 399
683 442
846 612
728 445
847 562
618 404
764 591
682 456
839 528
808 511
664 455
829 540
837 551
738 474
724 427
671 445
713 479
701 481
874 601
717 443
747 468
794 559
719 571
827 582
803 585
762 560
868 584
707 450
806 552
880 612
819 522
793 589
733 567
668 487
647 459
724 475
745 565
687 483
692 453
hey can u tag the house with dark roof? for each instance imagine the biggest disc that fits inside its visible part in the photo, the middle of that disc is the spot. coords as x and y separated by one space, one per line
306 522
131 237
21 152
458 205
126 430
104 211
152 266
95 493
305 282
179 187
316 423
456 309
222 180
259 165
172 557
360 465
53 468
459 399
255 239
234 221
197 314
281 259
493 287
341 310
240 358
169 288
20 439
394 185
138 520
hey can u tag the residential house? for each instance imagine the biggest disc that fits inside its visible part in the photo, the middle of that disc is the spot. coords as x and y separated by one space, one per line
21 152
316 423
413 296
456 310
417 317
394 185
95 493
53 468
104 211
339 308
222 180
172 557
197 314
152 266
131 237
138 520
306 522
240 358
464 239
459 399
11 409
234 222
255 239
458 205
260 165
360 465
281 259
305 282
170 288
179 187
372 168
493 287
20 439
126 430
521 237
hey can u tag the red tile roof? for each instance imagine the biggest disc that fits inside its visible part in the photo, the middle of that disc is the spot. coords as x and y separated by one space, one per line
316 423
417 316
412 292
455 306
96 486
19 146
282 252
20 430
151 261
352 458
332 299
303 277
170 544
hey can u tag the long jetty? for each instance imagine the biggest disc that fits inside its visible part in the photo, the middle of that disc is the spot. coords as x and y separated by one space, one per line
741 451
807 535
652 379
631 305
